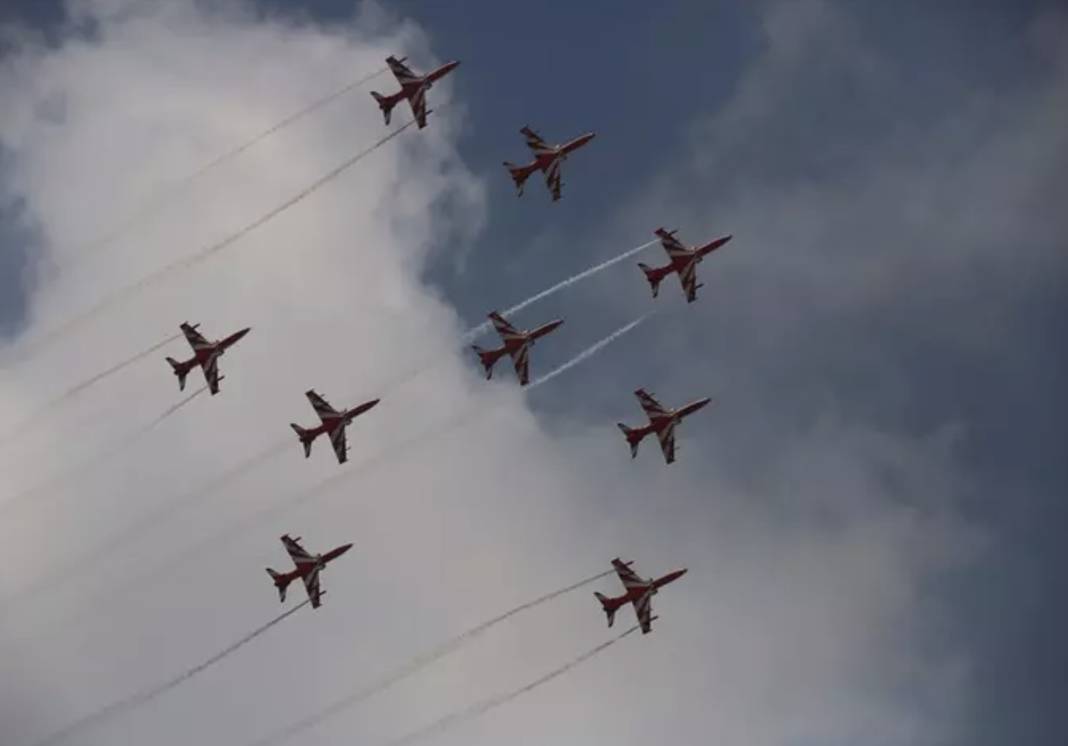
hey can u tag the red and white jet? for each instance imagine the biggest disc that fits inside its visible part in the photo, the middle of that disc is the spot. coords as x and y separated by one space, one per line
205 354
662 421
332 422
517 343
413 88
547 159
639 592
684 261
308 568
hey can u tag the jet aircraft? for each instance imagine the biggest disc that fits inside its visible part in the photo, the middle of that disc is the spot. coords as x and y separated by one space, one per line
413 88
307 568
684 262
662 421
547 159
517 343
332 422
205 354
639 592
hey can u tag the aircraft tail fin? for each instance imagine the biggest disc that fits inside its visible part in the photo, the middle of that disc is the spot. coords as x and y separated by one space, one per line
306 438
654 275
634 437
280 582
386 104
608 606
519 175
180 370
488 358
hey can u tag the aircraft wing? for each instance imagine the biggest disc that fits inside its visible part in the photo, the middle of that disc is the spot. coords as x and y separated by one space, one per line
211 373
311 585
297 553
521 361
628 577
552 179
504 329
196 339
534 141
688 280
321 406
418 103
337 440
643 609
672 245
667 443
651 406
401 72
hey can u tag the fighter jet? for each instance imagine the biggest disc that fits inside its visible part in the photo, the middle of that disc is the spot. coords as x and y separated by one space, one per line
662 421
205 354
547 159
639 592
308 568
333 422
684 262
413 88
517 343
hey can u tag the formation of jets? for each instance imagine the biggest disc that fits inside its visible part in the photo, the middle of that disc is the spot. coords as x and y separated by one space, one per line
515 343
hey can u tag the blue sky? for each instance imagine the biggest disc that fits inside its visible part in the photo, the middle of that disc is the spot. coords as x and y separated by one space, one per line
859 145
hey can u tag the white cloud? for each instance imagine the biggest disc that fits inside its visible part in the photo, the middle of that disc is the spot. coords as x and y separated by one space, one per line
798 618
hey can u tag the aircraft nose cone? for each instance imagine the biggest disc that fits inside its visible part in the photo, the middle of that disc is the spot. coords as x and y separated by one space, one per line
343 549
242 333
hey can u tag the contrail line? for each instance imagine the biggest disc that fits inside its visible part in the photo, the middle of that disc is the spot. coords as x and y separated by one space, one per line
29 422
140 698
414 666
193 259
99 457
485 325
480 708
167 193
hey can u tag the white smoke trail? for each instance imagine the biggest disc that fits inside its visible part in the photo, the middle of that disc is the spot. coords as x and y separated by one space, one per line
121 294
99 457
70 569
143 697
480 708
588 352
485 325
414 666
164 196
45 408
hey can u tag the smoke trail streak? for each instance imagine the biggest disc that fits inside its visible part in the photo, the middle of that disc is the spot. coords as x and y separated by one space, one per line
414 666
113 542
480 708
140 698
100 456
485 325
165 195
133 289
27 424
384 457
588 352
